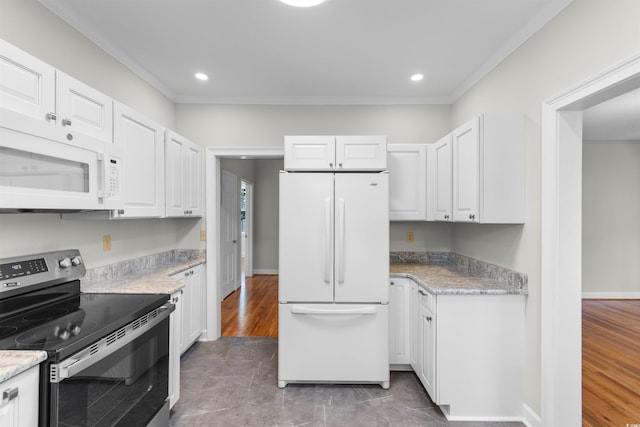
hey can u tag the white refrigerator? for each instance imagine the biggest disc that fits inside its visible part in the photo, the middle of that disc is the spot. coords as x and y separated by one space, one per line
334 278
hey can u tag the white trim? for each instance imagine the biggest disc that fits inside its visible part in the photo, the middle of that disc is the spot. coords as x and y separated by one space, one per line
561 346
213 197
264 271
611 295
529 417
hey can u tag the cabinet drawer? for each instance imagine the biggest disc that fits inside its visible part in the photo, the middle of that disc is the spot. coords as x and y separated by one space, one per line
427 299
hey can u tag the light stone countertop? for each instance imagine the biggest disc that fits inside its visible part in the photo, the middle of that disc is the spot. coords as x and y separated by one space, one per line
13 362
154 279
452 274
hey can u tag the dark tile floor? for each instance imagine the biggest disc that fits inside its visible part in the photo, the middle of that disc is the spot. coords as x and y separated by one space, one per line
233 382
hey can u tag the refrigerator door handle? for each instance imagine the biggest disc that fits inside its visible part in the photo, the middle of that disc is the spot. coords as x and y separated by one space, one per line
327 240
298 309
340 257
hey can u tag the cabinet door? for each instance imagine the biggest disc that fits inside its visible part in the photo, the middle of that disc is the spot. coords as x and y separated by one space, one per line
439 180
20 409
175 166
27 85
466 172
175 331
414 318
142 142
427 365
194 180
83 109
195 282
316 153
399 330
407 181
368 152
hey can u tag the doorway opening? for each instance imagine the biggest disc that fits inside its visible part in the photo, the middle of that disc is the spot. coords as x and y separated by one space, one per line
259 239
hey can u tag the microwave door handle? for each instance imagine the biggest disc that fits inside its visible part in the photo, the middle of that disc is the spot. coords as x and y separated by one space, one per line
102 176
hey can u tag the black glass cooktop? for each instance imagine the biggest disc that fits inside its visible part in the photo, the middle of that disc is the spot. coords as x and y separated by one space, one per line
64 321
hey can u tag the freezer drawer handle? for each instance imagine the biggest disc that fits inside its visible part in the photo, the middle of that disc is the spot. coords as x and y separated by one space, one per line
351 311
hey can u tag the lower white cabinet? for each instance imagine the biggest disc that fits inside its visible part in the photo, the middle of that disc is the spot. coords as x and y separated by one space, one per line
399 330
192 305
175 332
467 350
19 399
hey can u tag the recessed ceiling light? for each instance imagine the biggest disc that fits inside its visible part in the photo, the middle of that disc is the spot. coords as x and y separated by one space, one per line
416 77
202 76
302 3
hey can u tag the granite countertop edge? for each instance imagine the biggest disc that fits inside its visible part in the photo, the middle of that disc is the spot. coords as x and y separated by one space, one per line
444 289
150 280
14 362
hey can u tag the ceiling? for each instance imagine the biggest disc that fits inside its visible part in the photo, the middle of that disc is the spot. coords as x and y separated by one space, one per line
340 52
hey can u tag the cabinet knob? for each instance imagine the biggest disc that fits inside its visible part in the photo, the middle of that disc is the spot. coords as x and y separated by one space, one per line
66 122
120 211
446 217
52 116
330 165
429 319
340 165
392 283
472 216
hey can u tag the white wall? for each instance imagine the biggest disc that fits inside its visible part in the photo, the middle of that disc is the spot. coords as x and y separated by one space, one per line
265 215
33 28
583 40
610 213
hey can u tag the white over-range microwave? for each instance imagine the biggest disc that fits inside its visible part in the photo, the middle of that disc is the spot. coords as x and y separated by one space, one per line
48 168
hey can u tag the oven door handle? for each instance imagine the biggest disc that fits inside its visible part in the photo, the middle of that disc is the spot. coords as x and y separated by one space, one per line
108 345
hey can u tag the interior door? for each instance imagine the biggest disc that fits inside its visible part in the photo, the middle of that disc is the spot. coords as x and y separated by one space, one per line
306 237
362 237
229 219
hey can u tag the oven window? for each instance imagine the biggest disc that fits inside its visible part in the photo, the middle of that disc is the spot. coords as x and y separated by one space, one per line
126 388
31 170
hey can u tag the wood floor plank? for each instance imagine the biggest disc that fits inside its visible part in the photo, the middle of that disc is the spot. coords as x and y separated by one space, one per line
252 309
610 362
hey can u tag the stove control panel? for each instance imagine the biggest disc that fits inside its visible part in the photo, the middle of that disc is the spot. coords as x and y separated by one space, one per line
31 271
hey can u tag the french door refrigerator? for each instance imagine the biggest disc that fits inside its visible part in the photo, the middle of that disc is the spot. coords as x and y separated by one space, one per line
333 284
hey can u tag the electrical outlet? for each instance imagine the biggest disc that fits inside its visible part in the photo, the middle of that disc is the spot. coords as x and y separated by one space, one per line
409 236
203 235
106 243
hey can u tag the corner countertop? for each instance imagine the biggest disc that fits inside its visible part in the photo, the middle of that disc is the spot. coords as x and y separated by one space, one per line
453 274
13 362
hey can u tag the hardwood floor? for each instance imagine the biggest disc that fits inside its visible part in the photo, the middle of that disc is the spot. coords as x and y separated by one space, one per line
610 363
252 309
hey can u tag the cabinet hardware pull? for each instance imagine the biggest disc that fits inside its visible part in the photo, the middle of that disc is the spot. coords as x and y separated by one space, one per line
421 292
446 217
66 122
392 283
472 216
10 394
429 319
52 116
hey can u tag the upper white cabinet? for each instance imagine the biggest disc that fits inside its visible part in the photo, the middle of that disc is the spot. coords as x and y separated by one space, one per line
142 141
407 165
489 170
335 153
33 88
477 173
27 85
439 176
184 178
83 109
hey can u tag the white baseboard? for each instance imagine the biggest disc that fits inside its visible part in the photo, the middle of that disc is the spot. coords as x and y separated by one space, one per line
257 271
530 418
611 295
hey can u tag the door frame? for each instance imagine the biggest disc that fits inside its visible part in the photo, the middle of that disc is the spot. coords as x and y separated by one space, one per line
213 199
249 229
561 239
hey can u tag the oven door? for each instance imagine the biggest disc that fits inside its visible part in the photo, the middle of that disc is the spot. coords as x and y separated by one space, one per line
120 381
43 166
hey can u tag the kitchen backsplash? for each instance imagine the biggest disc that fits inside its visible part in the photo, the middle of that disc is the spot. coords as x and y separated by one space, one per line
461 263
135 265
